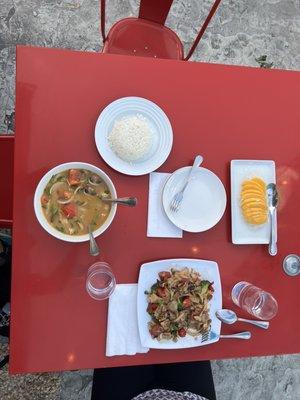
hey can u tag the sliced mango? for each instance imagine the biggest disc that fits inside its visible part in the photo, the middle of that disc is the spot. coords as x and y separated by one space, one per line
259 220
259 207
253 188
259 182
253 201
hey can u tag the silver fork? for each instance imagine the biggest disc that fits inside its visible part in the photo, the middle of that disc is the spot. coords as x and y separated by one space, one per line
241 335
177 199
205 337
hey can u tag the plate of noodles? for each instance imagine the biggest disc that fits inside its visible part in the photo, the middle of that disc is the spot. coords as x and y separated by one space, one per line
133 135
176 303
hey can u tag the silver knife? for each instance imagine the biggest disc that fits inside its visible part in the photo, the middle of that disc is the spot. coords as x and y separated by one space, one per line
272 196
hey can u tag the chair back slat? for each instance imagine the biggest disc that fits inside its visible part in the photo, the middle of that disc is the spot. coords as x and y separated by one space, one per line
155 10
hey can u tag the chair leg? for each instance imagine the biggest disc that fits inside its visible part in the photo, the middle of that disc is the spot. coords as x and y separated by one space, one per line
6 172
102 16
4 361
203 28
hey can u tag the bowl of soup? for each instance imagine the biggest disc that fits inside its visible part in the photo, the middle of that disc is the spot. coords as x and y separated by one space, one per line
70 198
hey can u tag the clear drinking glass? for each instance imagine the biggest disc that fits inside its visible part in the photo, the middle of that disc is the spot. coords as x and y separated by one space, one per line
254 300
100 281
291 265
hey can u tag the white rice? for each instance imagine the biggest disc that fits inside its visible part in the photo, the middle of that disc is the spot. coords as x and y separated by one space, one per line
131 137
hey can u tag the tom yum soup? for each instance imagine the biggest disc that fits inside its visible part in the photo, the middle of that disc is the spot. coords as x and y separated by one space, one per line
72 200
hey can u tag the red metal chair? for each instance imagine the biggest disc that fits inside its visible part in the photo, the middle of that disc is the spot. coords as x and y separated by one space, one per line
147 36
6 171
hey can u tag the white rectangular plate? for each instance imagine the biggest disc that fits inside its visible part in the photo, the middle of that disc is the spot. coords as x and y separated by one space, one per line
149 274
242 232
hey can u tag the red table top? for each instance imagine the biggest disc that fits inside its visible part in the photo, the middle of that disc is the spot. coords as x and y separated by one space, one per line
221 112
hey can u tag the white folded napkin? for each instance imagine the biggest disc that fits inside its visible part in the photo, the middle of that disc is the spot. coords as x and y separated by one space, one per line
159 224
122 326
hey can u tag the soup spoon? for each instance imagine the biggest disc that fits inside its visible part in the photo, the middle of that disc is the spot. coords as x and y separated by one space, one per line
94 249
126 201
230 317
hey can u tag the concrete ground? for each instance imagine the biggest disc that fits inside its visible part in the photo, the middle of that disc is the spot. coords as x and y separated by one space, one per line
241 31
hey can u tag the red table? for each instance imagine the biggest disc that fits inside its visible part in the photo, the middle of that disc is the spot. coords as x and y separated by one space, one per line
221 112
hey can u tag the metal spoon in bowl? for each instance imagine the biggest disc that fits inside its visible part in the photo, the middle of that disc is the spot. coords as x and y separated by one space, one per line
94 249
230 317
126 201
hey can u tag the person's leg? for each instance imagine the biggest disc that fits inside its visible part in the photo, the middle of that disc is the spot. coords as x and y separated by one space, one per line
122 383
5 277
194 377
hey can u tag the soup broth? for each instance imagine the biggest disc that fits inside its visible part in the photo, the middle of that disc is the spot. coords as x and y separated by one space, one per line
72 200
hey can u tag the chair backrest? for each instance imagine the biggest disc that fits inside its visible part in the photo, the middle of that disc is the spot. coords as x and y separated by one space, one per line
157 11
6 178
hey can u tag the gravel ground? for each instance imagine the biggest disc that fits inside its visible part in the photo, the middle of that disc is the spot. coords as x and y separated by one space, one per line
28 387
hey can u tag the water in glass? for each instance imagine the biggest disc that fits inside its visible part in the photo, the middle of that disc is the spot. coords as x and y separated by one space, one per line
254 300
100 282
291 265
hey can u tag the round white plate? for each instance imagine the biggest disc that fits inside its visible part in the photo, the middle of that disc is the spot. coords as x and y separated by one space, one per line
159 125
203 203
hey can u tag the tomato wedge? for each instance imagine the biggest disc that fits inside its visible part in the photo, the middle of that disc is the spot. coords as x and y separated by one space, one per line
155 330
187 302
164 275
44 199
69 210
182 332
74 176
161 292
151 307
210 287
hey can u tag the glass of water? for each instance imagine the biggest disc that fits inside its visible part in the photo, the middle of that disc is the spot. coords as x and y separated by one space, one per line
291 265
100 281
254 300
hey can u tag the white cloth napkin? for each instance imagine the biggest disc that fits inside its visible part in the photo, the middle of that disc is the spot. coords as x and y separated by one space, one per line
159 224
122 326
